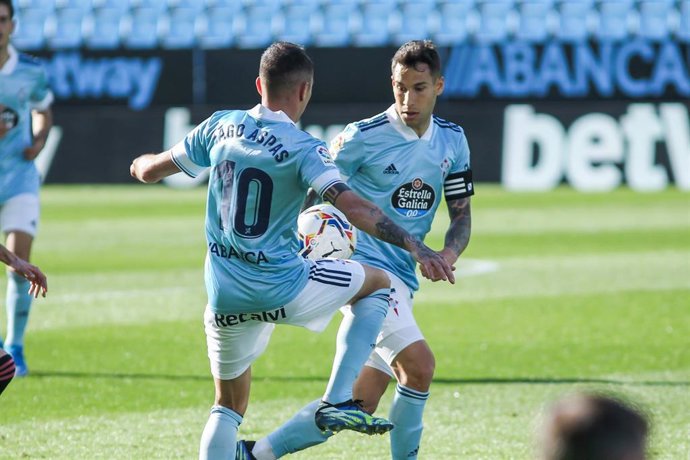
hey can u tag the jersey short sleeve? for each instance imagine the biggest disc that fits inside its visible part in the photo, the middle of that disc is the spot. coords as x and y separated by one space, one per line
347 149
318 170
41 96
458 184
191 154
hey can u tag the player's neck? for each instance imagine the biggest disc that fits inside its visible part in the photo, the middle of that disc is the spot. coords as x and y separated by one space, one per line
419 131
4 56
282 106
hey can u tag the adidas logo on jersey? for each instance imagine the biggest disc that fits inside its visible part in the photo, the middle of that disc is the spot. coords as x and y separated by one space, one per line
391 169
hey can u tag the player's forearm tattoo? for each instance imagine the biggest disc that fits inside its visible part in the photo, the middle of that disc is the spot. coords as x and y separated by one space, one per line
334 191
458 234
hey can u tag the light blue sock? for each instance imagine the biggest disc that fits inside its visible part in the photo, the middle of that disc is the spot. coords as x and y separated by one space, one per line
406 414
219 439
356 338
298 433
18 304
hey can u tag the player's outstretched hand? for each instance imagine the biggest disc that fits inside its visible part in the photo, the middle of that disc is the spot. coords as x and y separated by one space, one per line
432 264
39 282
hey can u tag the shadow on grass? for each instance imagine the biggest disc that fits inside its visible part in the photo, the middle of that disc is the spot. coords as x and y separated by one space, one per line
446 381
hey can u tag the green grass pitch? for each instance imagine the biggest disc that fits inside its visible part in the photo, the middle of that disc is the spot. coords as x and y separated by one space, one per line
558 291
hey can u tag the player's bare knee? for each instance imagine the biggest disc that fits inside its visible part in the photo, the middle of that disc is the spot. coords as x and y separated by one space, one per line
374 279
419 373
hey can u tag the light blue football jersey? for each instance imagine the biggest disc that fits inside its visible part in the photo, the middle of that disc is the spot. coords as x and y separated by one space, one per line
385 161
261 168
23 87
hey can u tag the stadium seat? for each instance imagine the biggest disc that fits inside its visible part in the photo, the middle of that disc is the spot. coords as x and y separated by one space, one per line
418 20
29 35
494 20
195 5
613 23
47 5
377 20
139 30
158 5
337 25
84 5
180 28
534 20
104 28
298 24
453 22
654 18
218 30
684 21
256 30
574 19
66 28
121 5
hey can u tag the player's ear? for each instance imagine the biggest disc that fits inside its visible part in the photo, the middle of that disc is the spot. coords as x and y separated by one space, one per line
258 86
439 85
303 90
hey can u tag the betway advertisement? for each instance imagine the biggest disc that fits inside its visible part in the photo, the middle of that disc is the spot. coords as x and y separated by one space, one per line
592 115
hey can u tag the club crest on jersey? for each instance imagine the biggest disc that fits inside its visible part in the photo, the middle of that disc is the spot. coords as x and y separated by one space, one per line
413 199
445 166
8 117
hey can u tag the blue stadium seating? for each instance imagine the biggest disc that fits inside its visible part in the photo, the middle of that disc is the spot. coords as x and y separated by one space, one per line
614 19
453 21
140 28
574 19
375 23
218 31
29 35
418 19
84 5
654 18
338 22
47 5
66 28
298 21
180 28
104 28
684 21
534 20
256 30
494 20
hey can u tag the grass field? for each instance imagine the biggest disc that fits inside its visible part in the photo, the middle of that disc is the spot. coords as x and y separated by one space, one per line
577 291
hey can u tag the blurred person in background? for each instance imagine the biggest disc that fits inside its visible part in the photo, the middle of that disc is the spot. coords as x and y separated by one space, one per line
404 160
38 285
25 121
587 426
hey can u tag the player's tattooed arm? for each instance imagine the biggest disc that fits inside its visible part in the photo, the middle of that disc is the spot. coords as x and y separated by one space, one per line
369 218
334 191
458 234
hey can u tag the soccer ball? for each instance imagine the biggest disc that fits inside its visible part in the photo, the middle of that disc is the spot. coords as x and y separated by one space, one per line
325 232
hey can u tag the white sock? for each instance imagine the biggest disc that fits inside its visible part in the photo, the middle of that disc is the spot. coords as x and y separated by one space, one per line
219 439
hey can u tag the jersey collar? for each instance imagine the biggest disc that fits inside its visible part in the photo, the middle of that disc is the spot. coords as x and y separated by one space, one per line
407 132
259 111
11 63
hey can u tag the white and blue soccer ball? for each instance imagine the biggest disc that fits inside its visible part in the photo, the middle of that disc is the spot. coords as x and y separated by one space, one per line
325 232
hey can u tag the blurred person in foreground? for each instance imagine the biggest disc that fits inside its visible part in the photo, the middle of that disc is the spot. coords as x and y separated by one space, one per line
38 285
587 426
262 165
25 121
405 160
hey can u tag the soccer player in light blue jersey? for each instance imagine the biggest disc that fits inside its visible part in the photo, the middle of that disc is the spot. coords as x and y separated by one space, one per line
405 160
25 120
261 168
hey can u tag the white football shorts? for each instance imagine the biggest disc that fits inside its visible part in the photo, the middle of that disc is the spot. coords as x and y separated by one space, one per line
20 213
399 329
236 340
